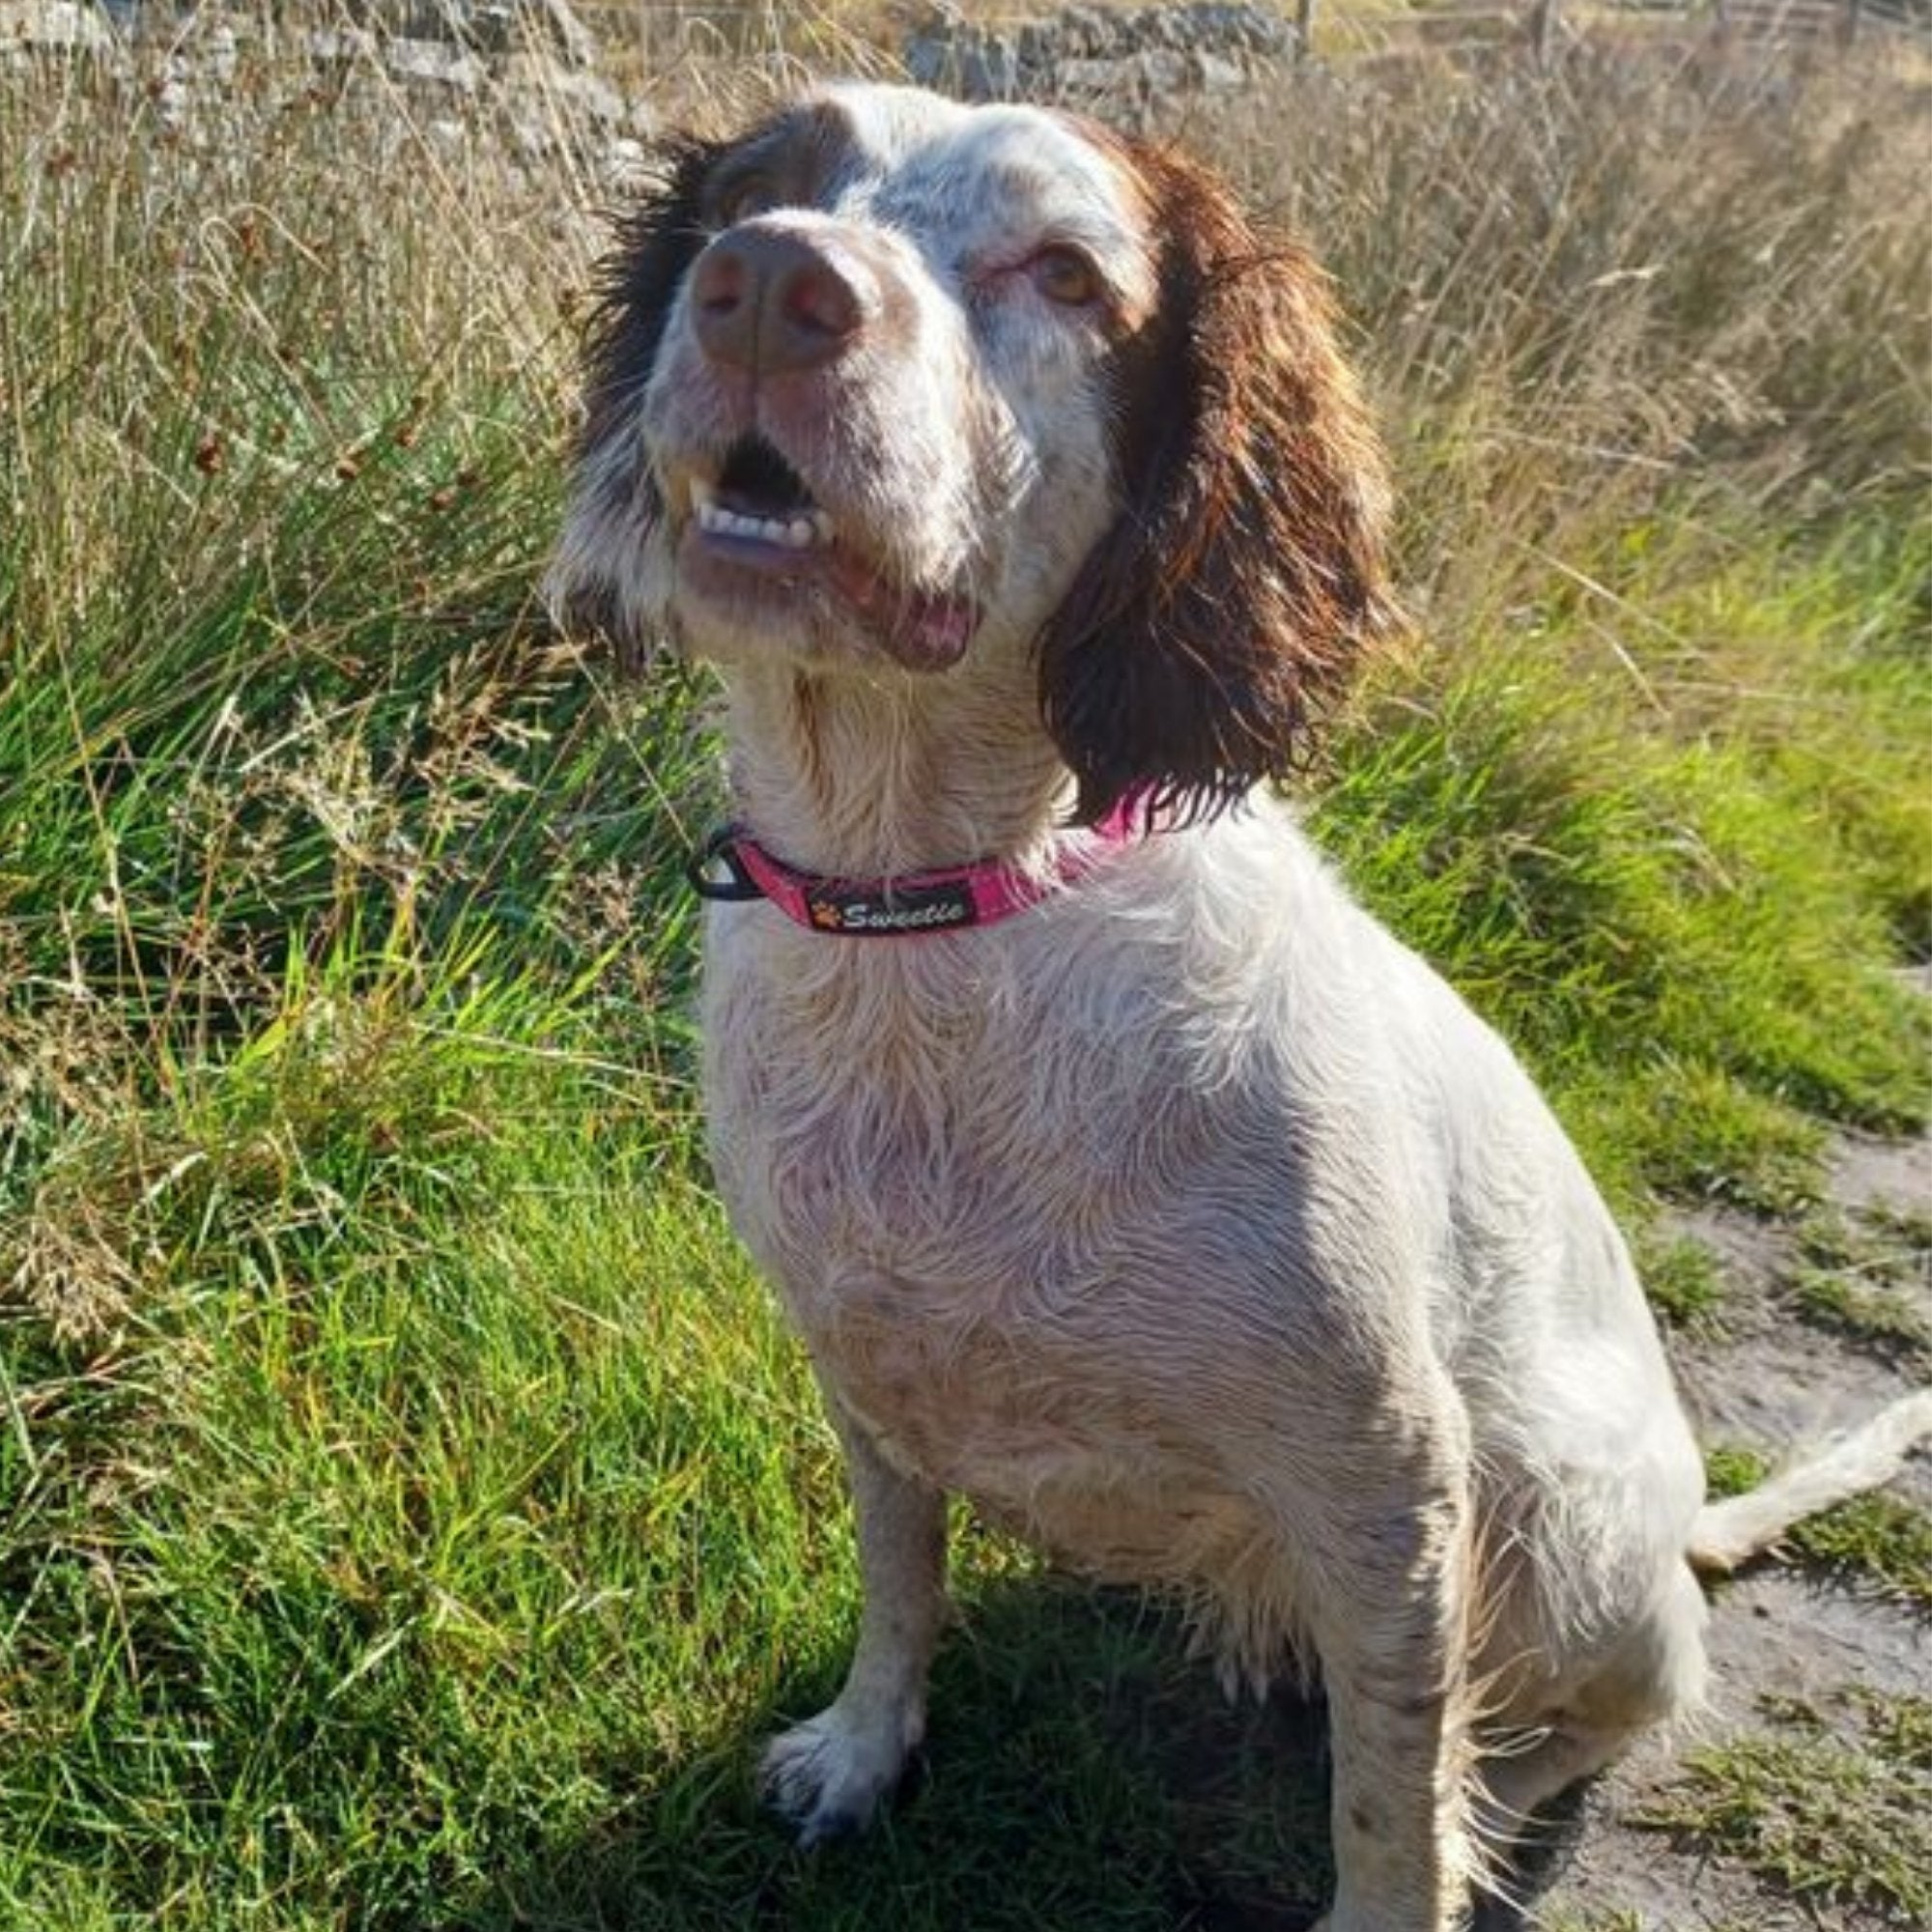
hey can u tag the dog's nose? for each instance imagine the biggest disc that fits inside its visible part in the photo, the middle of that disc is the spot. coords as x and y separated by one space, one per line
769 300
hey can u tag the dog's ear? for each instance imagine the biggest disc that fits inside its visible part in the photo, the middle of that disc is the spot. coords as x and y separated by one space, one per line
596 583
1244 572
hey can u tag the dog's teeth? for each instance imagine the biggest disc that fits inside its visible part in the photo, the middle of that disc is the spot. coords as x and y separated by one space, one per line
702 494
801 531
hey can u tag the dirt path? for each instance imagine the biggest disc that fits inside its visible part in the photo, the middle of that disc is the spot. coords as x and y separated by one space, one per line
1796 1659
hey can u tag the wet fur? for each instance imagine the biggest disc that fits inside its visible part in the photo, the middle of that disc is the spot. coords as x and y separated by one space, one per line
1188 1223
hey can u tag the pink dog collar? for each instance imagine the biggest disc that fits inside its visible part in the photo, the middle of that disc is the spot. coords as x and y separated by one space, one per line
732 864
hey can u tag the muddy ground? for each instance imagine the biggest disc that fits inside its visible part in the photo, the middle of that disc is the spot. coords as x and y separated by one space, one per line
1769 1378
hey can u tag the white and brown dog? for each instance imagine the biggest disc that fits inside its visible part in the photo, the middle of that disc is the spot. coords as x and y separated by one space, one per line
1117 1171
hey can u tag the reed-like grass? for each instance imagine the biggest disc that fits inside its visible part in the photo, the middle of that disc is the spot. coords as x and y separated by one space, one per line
409 1508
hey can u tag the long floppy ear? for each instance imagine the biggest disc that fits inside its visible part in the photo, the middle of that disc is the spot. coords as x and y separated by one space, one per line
1244 571
601 579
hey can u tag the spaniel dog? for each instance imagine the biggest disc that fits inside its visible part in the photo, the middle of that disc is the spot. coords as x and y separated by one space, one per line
1117 1171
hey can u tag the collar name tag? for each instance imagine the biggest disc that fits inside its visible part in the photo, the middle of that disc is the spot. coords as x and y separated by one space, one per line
732 866
907 909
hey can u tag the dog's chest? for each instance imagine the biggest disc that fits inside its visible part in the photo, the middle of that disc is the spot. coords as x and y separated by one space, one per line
1017 1386
968 1229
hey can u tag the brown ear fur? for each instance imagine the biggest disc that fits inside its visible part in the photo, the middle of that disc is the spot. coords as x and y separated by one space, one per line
1244 571
616 504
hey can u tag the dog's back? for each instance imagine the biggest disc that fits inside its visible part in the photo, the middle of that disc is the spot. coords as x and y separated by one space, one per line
1117 1169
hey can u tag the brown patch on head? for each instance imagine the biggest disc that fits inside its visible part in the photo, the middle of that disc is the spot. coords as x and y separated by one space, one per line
702 186
793 160
1244 572
614 492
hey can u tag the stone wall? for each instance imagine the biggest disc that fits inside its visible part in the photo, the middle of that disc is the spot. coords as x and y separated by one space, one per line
1089 57
532 67
529 67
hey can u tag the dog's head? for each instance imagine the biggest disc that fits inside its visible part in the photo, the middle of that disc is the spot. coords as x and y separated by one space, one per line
903 387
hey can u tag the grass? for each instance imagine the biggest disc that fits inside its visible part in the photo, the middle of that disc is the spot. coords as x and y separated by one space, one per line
1826 1817
1683 1282
1878 1541
411 1510
1880 1317
1857 1278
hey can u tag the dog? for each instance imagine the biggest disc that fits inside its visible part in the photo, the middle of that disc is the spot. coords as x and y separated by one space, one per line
1116 1169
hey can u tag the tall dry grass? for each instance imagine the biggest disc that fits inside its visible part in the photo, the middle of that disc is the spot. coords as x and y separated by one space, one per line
405 1508
1652 275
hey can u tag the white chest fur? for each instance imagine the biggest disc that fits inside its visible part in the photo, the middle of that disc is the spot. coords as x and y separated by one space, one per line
990 1176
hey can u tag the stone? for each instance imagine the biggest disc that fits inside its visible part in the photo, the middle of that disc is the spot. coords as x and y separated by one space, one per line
990 72
535 78
432 63
1118 55
339 47
55 26
511 26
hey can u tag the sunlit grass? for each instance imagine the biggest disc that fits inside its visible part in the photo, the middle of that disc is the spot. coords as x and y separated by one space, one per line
410 1509
1831 1808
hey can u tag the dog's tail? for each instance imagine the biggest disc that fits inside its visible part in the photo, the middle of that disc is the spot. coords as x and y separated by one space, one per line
1727 1532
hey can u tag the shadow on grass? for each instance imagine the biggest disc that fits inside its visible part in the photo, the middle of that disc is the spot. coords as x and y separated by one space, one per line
1082 1776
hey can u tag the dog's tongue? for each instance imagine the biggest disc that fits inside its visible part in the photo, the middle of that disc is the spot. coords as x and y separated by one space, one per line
923 633
937 628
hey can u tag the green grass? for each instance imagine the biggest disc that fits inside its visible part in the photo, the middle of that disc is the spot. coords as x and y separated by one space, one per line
1878 1541
1677 934
1684 1283
1880 1317
411 1512
1729 1470
1830 1813
1856 1278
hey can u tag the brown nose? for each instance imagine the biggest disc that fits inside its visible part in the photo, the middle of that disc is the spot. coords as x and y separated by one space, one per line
769 300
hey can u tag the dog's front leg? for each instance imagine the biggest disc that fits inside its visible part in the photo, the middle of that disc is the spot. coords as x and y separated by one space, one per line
830 1774
1391 1627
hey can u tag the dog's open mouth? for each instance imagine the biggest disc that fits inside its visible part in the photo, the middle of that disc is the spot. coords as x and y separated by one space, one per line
759 497
758 518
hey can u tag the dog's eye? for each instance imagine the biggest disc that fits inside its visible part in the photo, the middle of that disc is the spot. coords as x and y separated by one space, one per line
1064 275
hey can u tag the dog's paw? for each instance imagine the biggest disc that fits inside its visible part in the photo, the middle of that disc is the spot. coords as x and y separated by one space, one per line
829 1775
